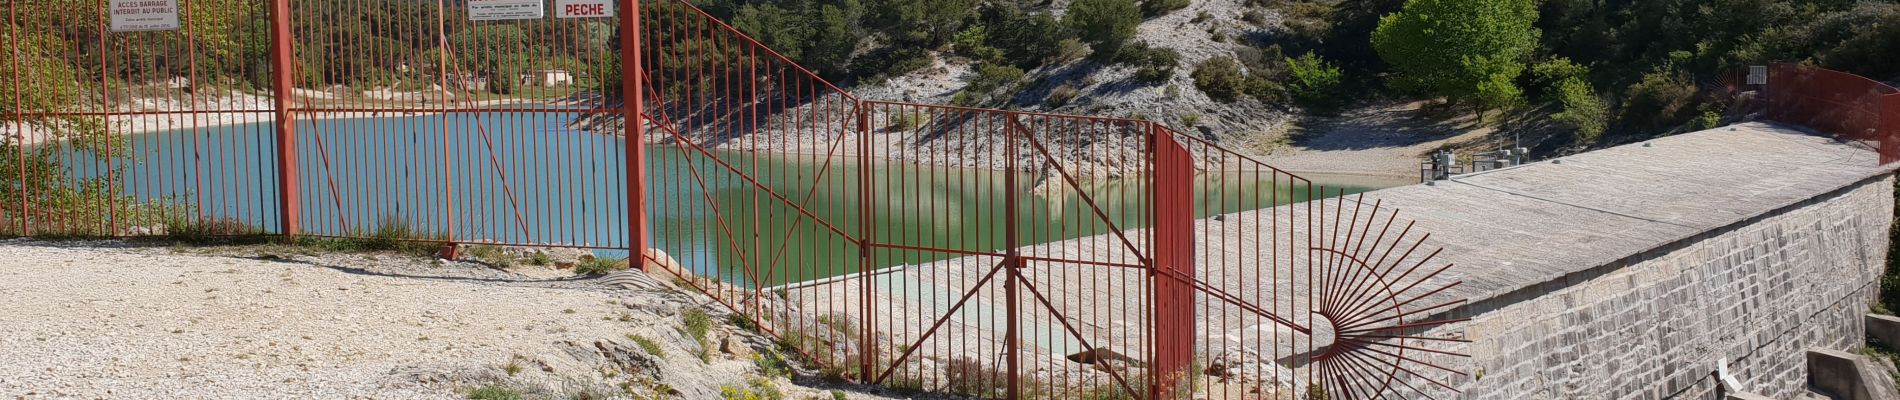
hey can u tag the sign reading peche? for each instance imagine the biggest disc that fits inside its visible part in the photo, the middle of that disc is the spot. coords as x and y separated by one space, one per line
144 15
584 8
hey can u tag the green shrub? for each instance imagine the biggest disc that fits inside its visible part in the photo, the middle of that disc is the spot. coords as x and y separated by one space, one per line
1315 83
1220 78
1582 110
1069 50
1660 100
908 120
1152 64
1263 89
1710 119
990 77
1253 17
494 392
1190 120
1060 96
1156 8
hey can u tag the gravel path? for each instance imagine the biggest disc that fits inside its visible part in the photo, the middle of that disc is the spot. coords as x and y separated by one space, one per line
103 320
1386 140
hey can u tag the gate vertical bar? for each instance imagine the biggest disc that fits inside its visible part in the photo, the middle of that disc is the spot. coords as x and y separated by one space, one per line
1013 261
865 241
448 156
13 31
282 68
1173 269
633 109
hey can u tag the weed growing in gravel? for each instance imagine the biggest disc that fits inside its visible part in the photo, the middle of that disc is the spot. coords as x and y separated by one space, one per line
742 322
540 259
494 392
568 311
837 394
214 231
648 344
755 389
772 364
597 266
697 323
513 367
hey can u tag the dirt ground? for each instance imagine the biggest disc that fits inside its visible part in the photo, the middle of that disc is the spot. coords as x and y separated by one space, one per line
112 320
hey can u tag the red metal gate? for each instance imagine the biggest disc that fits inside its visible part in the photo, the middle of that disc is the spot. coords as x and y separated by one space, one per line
988 253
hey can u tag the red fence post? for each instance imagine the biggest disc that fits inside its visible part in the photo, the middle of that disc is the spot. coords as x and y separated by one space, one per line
1012 344
633 111
867 238
1173 313
283 67
1889 133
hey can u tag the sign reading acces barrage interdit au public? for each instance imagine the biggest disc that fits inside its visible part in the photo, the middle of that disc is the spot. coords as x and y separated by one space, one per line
144 15
499 10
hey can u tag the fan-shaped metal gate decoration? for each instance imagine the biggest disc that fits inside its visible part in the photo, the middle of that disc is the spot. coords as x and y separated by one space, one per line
1378 288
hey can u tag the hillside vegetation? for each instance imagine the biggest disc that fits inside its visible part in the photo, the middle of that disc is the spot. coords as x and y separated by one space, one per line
1619 68
1230 67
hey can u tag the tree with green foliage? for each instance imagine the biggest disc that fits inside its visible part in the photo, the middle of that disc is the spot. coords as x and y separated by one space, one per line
1464 50
821 37
1314 82
48 82
1582 110
925 23
1027 40
1106 25
502 79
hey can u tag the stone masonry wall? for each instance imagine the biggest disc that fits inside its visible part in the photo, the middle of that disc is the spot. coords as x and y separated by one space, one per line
1653 326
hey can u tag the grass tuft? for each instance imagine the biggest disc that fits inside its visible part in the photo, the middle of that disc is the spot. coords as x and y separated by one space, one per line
494 392
648 345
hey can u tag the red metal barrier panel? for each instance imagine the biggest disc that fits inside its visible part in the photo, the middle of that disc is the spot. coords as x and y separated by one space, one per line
445 122
119 130
1890 128
1835 102
1174 317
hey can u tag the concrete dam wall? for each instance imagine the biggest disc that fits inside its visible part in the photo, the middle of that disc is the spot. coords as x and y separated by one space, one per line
1775 245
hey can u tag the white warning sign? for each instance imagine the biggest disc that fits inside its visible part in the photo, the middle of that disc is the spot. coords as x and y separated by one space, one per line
584 8
498 10
144 15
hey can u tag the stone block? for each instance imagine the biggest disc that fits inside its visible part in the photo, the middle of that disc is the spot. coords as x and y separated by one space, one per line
1884 329
1848 376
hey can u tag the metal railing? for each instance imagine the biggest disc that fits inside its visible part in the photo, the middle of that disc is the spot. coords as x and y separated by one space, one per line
988 253
1847 105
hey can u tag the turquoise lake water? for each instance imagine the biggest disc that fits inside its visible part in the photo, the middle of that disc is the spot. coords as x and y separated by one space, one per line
567 187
